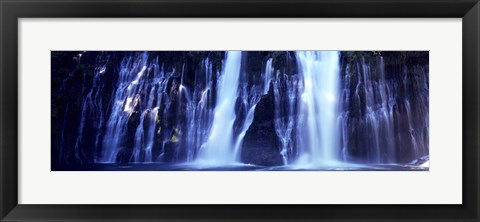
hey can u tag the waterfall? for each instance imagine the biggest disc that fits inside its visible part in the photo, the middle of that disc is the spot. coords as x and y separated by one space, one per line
123 105
203 112
145 90
318 133
246 125
316 110
92 106
376 121
267 75
285 93
386 116
250 99
218 148
139 138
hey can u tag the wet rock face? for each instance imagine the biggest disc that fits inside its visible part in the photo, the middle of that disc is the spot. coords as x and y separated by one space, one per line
260 145
240 113
385 107
170 151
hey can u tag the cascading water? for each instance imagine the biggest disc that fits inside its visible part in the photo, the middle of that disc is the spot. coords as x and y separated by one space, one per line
92 103
126 101
218 148
267 76
386 116
203 115
318 107
377 109
285 93
250 99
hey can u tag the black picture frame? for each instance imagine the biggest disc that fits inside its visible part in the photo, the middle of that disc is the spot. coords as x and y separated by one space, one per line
12 10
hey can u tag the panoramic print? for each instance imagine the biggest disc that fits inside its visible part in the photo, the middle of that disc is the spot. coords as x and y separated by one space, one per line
239 110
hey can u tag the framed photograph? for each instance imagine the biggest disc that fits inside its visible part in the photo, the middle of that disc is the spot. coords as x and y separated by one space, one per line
227 110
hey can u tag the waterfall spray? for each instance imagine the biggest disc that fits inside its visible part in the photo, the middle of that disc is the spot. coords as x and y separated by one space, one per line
318 133
219 147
